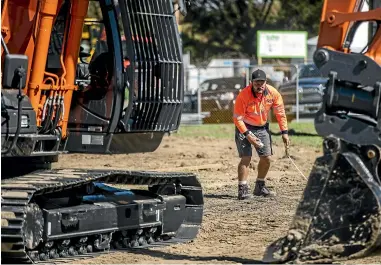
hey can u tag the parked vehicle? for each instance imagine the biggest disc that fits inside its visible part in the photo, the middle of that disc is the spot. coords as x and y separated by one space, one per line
216 94
190 103
222 91
311 88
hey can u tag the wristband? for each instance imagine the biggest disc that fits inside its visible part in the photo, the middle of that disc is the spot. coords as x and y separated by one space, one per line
247 133
259 142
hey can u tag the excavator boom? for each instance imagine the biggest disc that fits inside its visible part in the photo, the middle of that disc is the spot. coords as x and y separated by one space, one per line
339 215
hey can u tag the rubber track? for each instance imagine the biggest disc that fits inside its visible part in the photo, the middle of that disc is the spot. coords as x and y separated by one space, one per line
17 192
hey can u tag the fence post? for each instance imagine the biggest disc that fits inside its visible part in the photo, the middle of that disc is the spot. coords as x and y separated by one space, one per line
199 95
297 93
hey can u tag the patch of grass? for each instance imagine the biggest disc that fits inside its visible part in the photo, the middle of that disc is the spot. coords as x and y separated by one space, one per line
226 131
296 140
207 130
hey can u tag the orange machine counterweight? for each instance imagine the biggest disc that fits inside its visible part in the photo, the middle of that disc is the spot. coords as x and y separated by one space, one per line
78 14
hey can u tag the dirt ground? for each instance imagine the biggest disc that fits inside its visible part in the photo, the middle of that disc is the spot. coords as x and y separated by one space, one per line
233 231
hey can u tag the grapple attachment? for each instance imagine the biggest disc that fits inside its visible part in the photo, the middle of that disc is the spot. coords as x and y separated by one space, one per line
339 216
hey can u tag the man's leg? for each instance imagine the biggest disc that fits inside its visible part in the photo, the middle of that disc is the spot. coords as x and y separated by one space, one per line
244 152
264 154
243 175
243 169
263 167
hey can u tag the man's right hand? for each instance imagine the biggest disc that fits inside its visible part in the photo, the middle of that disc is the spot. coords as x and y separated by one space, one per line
254 141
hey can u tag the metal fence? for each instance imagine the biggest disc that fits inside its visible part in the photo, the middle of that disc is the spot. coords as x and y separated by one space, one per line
210 92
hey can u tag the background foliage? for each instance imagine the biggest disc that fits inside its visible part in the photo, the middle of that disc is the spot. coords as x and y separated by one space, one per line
227 28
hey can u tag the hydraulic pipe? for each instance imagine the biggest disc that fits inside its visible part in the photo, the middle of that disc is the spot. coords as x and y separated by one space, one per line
47 13
78 14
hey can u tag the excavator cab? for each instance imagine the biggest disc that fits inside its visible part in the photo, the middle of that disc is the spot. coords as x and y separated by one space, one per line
339 215
123 108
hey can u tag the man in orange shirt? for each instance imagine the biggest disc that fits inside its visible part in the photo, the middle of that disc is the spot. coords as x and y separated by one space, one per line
251 112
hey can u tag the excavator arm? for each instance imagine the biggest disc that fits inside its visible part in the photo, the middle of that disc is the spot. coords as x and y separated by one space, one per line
339 215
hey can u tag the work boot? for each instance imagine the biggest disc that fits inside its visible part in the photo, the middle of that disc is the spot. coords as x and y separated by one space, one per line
243 192
262 190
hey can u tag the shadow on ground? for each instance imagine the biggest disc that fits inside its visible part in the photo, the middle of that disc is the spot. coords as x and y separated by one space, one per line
220 196
171 256
292 132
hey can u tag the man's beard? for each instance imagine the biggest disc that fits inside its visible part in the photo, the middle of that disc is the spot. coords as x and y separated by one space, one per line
259 90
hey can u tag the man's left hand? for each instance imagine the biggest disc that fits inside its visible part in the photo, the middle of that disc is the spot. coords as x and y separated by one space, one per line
286 140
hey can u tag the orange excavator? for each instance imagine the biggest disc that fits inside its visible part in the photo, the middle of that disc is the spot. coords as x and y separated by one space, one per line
339 215
58 97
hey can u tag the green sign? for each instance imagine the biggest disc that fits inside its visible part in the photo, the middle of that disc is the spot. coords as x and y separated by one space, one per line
282 44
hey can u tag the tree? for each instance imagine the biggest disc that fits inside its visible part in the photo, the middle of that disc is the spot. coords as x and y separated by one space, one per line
301 15
229 28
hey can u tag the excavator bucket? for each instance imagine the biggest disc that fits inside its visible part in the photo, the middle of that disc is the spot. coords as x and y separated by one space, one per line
339 216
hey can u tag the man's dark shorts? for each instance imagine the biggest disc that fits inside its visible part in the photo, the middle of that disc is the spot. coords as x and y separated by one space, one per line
245 148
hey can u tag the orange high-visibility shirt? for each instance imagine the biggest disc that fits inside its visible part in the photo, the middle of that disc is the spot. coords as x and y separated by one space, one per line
254 110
